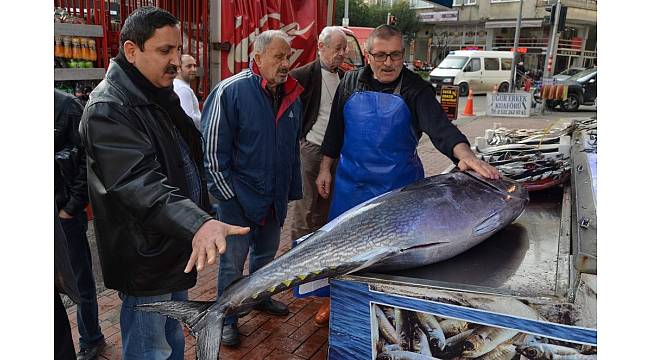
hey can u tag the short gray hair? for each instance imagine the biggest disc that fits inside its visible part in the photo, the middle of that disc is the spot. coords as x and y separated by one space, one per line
383 32
328 31
264 39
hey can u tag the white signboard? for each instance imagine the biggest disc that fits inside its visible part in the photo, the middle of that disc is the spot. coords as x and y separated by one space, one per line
440 16
509 104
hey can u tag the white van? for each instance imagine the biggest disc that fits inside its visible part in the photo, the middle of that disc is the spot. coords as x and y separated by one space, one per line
475 69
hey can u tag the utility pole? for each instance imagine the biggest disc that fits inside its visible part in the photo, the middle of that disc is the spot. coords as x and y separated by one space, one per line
513 70
550 49
346 19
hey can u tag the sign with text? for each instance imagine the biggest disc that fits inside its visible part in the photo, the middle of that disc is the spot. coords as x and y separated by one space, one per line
509 104
449 101
439 16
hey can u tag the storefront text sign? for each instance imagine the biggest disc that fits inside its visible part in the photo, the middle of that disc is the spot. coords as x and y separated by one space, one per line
508 104
449 101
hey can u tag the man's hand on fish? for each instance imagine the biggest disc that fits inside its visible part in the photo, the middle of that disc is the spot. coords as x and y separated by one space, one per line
481 167
468 161
210 239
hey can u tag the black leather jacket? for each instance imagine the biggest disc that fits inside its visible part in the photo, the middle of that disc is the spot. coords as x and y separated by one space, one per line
70 189
144 219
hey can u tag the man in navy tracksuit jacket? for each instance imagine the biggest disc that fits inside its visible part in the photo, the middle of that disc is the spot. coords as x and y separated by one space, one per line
251 128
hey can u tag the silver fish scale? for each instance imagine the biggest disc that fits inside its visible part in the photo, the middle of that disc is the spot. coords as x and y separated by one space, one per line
441 209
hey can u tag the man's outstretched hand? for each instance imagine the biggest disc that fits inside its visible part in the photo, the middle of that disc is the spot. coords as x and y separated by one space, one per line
210 239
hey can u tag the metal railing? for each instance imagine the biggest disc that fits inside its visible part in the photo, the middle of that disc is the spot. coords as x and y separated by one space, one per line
581 4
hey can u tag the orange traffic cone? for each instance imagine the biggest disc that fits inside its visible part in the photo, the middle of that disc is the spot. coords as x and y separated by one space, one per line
469 105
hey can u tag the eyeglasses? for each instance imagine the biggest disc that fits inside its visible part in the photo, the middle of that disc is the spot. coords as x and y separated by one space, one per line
381 57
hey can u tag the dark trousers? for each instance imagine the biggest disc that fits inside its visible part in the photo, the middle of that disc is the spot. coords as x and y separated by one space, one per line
310 211
262 242
63 347
90 333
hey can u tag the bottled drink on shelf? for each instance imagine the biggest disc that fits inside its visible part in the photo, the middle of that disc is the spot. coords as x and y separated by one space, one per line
67 47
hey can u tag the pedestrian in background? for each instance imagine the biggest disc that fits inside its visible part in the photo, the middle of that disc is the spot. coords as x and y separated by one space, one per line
71 197
146 184
320 78
189 102
251 126
65 283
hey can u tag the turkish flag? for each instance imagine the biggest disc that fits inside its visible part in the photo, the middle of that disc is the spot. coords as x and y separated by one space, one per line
243 20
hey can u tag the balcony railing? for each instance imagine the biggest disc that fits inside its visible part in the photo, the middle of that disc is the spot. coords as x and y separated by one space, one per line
564 44
580 4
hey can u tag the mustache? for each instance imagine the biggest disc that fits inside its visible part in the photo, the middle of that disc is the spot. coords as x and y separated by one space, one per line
171 69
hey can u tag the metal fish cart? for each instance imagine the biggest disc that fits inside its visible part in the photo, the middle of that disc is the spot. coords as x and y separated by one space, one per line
527 292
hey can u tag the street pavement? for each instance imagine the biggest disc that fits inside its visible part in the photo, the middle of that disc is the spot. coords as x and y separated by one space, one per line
295 336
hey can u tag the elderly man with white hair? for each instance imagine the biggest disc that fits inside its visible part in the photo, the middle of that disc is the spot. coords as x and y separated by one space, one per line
320 78
251 126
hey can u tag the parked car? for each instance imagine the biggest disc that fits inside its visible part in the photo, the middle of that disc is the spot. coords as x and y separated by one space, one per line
568 73
475 69
582 91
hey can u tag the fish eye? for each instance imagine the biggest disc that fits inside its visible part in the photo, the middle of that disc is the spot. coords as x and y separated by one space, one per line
530 352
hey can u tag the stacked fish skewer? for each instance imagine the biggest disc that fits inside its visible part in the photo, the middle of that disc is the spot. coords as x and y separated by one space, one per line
537 158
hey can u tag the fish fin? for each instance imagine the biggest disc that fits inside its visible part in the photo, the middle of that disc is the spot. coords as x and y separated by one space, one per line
488 225
188 312
206 327
208 336
372 257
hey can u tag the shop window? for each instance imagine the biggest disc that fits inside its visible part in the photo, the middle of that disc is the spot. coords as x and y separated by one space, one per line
491 63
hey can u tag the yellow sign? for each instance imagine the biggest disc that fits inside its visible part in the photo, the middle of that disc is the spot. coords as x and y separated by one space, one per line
449 101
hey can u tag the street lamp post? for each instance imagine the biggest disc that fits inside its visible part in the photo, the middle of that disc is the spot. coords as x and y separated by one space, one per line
513 70
550 49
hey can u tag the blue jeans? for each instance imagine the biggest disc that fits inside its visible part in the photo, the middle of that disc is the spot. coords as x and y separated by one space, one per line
90 334
262 241
150 336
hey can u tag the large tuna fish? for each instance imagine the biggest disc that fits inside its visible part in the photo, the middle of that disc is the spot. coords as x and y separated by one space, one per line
425 222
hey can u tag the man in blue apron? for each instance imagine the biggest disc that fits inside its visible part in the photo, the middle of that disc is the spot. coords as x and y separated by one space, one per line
377 117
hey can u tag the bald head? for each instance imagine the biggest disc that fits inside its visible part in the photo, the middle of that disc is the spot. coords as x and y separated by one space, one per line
187 70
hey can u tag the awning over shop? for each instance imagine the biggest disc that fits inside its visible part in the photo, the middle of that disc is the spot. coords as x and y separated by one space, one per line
497 24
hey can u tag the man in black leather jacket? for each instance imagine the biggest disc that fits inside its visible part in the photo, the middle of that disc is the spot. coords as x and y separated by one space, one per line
71 197
147 189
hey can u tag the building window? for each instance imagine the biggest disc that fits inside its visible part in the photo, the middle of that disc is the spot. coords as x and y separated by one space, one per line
464 2
504 1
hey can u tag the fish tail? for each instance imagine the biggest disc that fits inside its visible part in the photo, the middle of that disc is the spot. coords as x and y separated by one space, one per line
205 326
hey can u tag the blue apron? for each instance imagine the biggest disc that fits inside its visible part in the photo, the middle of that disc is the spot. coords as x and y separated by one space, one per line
378 155
379 149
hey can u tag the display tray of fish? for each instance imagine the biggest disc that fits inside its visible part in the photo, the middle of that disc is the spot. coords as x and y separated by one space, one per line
413 335
537 158
428 221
